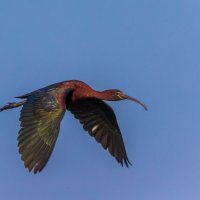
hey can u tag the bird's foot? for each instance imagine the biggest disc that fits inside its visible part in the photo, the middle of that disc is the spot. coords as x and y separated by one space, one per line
12 105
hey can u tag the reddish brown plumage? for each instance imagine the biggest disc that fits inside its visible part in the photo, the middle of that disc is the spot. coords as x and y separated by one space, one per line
44 109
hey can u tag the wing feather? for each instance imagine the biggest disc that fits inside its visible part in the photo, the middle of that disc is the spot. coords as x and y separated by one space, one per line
40 122
100 121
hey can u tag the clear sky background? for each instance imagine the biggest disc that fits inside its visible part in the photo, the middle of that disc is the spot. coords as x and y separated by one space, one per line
148 49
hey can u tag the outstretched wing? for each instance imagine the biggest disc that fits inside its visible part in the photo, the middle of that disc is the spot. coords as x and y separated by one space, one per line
100 121
40 122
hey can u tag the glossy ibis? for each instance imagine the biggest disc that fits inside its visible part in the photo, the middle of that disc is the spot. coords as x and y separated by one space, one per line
44 109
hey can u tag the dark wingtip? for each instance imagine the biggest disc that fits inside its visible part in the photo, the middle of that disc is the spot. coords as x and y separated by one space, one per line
127 163
31 169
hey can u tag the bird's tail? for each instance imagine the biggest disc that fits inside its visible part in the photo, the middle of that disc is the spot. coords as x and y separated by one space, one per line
12 105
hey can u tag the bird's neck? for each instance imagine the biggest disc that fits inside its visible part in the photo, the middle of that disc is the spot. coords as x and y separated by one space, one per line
90 93
104 95
82 90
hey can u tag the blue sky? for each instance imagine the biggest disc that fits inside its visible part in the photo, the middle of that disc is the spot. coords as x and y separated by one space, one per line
148 49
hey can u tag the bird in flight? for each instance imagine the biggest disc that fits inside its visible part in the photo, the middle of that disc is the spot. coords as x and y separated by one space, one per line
44 109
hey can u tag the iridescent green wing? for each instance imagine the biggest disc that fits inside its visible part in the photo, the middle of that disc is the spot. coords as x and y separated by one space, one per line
40 122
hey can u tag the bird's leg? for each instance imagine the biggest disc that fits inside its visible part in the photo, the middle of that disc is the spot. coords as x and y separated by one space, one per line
12 105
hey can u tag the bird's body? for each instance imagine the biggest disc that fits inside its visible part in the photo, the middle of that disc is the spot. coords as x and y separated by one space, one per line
44 109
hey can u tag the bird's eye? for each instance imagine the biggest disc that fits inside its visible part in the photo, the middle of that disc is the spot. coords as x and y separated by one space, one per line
118 93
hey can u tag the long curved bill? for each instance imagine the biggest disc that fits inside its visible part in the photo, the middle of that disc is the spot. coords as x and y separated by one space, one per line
135 100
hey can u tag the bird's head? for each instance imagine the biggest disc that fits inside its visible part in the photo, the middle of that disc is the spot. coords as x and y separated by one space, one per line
117 95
